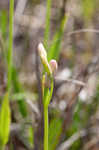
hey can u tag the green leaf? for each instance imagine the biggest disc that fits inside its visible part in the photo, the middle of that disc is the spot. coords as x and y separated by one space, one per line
54 50
18 89
48 21
5 120
3 23
31 137
54 133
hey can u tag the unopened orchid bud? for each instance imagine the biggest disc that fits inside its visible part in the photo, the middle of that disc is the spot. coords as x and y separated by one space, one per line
41 50
43 56
53 65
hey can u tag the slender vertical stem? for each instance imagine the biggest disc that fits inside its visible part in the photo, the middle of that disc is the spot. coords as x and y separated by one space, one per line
45 128
46 103
47 26
10 49
49 94
43 84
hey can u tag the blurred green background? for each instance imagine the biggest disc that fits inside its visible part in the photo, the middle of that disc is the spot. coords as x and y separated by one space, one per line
70 32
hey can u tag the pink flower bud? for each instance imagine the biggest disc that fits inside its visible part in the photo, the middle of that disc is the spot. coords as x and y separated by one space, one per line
42 51
43 56
53 65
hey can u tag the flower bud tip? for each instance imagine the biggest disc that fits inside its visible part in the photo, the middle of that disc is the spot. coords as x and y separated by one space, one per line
42 50
53 65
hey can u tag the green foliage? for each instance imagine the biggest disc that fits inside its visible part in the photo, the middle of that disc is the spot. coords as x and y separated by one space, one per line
88 8
54 132
10 48
96 98
31 137
48 95
47 26
3 23
76 125
5 116
53 53
18 89
55 47
81 115
5 120
76 145
3 34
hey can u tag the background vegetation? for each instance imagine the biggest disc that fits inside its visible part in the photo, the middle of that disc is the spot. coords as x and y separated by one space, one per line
70 32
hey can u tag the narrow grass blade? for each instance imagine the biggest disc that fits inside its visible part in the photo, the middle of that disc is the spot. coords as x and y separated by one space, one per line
3 23
31 136
10 49
54 50
47 26
55 124
18 89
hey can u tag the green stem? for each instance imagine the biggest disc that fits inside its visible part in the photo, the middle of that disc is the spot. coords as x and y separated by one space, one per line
49 94
43 84
46 103
45 128
10 50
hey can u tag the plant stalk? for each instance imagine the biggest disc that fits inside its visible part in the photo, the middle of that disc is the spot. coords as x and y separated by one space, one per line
46 103
45 128
10 49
